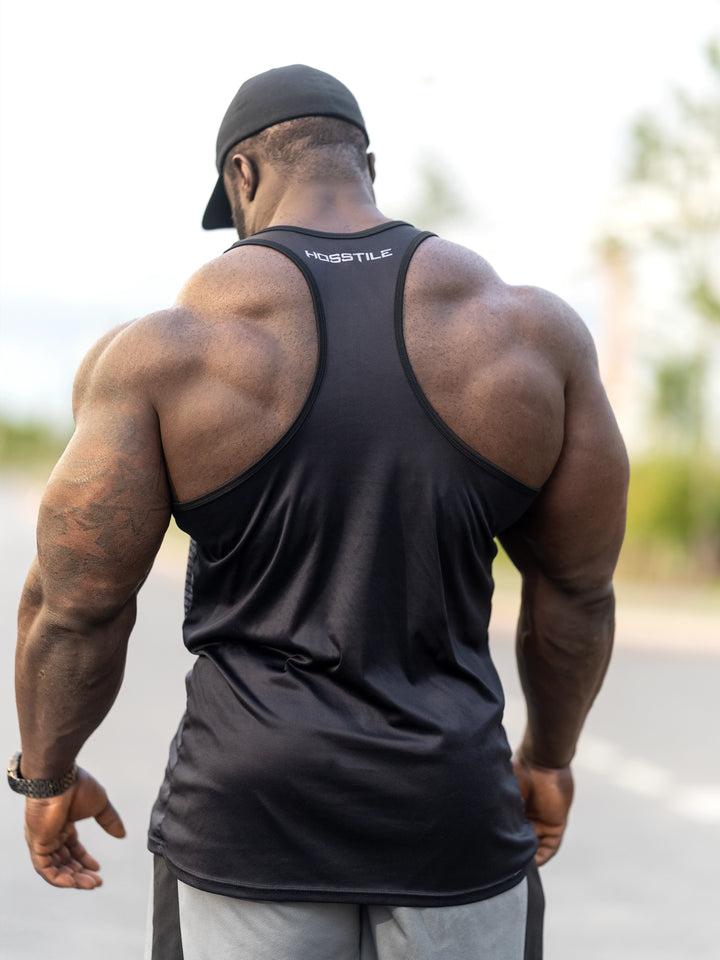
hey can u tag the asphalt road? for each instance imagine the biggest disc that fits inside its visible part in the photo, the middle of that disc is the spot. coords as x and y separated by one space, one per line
636 879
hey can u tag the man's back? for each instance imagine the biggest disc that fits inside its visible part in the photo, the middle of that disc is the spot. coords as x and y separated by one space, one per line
235 358
344 707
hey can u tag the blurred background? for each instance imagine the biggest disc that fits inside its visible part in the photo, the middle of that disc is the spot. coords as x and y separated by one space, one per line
577 148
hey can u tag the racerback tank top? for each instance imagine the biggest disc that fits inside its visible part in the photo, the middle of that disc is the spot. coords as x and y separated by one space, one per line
343 735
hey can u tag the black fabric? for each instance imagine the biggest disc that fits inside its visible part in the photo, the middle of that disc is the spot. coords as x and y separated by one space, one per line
535 915
165 939
343 737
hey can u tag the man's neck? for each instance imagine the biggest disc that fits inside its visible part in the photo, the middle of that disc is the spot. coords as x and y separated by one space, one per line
330 208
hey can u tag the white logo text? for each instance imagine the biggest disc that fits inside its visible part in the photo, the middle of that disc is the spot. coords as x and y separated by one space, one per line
361 256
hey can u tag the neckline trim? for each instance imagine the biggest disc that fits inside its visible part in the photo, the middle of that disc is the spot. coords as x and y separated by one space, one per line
369 232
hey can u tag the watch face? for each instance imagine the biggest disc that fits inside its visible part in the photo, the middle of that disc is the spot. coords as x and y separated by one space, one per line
13 774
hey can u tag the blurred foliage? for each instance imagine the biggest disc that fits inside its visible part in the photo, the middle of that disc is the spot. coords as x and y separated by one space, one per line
677 158
670 211
703 297
673 180
673 525
678 405
30 444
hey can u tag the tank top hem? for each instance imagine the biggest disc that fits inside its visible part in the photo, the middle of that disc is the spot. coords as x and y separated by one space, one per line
310 894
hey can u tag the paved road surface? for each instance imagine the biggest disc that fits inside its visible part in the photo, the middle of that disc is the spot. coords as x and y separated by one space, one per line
637 878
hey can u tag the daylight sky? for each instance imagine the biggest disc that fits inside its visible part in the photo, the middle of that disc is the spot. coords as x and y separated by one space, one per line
108 118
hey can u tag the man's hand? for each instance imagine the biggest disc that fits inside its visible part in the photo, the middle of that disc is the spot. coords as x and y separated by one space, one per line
55 851
548 794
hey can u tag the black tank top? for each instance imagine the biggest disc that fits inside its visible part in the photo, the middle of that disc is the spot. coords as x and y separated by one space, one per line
343 736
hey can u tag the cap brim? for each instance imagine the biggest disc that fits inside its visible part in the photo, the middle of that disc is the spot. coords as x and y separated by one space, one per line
218 213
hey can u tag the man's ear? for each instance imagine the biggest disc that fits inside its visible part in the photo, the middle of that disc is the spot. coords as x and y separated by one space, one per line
247 174
371 166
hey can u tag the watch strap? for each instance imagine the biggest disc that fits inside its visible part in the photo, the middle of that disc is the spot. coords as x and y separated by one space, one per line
38 789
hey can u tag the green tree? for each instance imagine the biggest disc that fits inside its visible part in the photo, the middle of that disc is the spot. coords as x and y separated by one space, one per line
677 162
672 185
668 227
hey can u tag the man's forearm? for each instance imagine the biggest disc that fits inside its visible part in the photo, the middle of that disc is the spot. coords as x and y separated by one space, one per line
564 641
67 675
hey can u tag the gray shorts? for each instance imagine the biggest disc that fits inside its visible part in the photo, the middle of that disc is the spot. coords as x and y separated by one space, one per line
190 924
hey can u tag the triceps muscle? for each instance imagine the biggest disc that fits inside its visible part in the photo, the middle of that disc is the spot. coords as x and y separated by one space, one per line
101 523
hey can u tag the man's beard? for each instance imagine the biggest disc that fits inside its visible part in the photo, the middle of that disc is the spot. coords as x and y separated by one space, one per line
239 220
238 217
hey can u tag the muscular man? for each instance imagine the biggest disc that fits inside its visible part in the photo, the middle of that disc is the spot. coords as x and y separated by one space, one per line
343 413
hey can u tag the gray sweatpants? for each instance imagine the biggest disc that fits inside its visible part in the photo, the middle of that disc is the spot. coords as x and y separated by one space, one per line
190 924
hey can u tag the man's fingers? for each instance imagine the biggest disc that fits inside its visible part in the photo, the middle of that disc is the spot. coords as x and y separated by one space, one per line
68 867
56 877
91 800
70 879
109 820
81 859
545 852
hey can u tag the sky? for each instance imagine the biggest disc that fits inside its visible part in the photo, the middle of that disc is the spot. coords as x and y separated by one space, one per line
109 113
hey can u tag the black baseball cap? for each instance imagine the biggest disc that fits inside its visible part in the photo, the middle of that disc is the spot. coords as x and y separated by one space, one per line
284 93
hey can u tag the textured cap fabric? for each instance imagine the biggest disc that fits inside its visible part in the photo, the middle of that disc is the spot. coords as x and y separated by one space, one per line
284 93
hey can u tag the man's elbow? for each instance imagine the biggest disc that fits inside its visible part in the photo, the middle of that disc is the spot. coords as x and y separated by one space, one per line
84 612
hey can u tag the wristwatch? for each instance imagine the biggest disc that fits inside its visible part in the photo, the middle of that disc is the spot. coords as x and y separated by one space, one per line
38 789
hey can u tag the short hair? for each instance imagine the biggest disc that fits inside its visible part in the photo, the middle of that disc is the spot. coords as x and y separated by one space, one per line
309 147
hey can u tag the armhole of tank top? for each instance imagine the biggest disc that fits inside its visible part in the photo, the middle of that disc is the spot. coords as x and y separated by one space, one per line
430 411
183 505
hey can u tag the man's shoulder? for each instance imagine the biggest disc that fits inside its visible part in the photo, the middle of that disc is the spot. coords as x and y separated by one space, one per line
245 286
129 357
443 261
245 281
448 270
